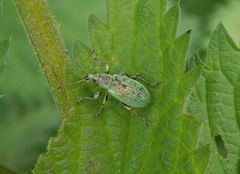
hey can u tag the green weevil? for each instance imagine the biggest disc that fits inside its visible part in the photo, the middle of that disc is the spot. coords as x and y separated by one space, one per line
130 92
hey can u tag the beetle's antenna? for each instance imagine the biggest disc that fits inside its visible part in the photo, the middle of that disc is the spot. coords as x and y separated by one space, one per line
78 82
72 84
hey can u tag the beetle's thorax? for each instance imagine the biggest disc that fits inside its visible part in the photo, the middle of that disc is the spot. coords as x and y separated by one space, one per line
104 80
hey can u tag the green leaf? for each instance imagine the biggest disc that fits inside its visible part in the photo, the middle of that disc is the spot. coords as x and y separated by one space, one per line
216 98
1 7
3 49
139 36
4 170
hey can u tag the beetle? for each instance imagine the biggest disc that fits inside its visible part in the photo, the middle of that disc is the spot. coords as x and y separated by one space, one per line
130 92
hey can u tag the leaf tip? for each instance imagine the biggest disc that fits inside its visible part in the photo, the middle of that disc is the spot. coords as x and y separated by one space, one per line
221 31
220 27
185 36
189 31
79 47
76 41
92 18
94 23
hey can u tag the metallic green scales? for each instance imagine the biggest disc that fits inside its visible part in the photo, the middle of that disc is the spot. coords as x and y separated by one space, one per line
124 88
130 92
127 90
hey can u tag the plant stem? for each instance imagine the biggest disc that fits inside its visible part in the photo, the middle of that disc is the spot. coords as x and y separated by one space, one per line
48 44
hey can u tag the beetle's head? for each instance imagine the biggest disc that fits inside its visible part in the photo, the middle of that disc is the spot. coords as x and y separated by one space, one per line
92 78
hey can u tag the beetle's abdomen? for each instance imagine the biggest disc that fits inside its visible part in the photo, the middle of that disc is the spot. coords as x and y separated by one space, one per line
130 92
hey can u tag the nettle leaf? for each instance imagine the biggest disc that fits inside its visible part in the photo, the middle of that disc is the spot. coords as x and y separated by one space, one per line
139 36
5 170
216 98
1 7
3 49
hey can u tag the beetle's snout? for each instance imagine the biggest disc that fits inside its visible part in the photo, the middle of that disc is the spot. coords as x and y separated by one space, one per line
86 77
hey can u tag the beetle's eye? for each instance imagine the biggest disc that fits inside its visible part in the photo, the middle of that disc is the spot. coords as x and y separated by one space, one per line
86 77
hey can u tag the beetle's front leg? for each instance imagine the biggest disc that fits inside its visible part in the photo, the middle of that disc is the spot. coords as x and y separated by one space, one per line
95 97
106 68
138 77
102 105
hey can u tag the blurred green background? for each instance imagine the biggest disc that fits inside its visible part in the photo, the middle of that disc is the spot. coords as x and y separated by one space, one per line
28 116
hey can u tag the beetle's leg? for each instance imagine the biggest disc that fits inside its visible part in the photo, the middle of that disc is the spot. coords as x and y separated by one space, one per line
106 68
125 74
102 105
94 51
138 77
146 122
127 107
95 97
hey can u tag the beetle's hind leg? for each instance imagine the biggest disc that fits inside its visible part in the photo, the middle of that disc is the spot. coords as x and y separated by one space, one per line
138 77
127 107
102 105
95 97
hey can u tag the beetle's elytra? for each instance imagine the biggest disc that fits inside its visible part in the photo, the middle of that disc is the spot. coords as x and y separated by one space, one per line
128 91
